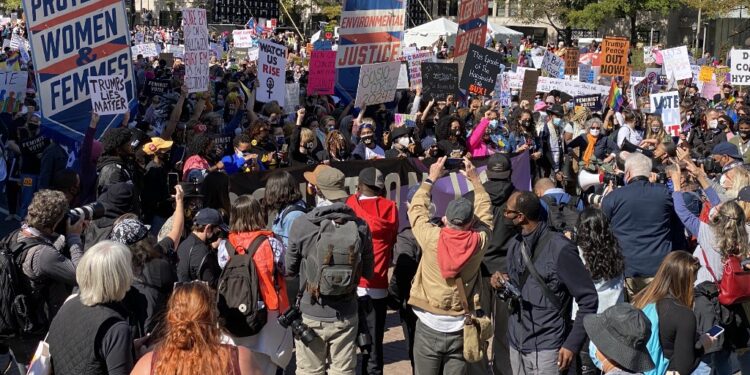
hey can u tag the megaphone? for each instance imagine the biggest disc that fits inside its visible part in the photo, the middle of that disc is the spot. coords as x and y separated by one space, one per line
587 179
631 148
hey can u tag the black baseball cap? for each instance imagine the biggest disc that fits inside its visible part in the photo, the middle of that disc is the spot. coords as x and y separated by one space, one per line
460 211
728 149
209 216
499 167
372 177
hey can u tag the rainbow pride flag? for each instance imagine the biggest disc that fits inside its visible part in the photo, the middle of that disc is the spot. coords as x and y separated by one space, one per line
615 96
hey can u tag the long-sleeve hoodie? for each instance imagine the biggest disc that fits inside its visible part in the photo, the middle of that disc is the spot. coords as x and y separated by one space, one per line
381 215
476 146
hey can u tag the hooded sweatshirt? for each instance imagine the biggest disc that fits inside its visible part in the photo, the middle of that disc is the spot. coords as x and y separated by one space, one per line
381 215
118 200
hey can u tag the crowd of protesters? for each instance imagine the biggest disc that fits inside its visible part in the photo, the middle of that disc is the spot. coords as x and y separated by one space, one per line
613 262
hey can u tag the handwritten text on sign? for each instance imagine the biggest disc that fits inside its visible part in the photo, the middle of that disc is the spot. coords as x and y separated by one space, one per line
377 83
108 96
615 57
668 104
322 75
481 70
272 74
197 53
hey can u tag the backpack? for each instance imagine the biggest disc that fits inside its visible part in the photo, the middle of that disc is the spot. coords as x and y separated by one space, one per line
338 253
19 310
653 345
241 306
563 216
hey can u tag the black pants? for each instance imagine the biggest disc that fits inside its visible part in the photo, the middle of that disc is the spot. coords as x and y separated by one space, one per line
372 312
409 325
500 349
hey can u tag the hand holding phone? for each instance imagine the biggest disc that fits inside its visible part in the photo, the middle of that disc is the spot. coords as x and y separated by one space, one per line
715 331
172 181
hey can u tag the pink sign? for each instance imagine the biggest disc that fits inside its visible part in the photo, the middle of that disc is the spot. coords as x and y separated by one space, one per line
322 75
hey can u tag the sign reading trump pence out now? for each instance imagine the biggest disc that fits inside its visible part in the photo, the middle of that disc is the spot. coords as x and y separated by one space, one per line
615 57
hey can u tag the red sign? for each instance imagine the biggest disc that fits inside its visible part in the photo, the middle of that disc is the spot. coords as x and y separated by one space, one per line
464 40
472 9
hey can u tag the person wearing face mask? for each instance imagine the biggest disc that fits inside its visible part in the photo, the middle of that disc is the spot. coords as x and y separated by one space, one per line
403 144
31 145
116 163
551 138
595 149
629 131
197 253
451 136
480 141
155 199
655 133
620 335
367 149
742 141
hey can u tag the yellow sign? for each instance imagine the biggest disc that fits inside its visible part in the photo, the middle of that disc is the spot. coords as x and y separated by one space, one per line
706 74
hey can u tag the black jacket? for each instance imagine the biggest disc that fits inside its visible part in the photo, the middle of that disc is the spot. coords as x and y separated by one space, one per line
111 170
497 249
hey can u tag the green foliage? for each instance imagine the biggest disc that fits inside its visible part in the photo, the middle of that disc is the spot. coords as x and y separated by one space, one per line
594 15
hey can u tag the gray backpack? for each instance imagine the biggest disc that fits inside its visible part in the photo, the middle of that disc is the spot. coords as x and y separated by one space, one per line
339 260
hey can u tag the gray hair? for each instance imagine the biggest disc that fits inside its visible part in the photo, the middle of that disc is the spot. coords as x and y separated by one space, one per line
638 165
593 121
104 273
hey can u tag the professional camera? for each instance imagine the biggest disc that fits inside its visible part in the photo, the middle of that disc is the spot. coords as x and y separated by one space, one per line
709 165
90 211
594 199
509 292
293 318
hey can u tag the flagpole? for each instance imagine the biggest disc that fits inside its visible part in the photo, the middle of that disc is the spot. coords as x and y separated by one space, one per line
291 19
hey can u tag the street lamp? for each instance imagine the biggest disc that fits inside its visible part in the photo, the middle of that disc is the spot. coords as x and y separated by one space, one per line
705 27
694 27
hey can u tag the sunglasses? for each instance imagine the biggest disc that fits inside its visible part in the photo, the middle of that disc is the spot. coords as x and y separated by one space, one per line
179 284
595 127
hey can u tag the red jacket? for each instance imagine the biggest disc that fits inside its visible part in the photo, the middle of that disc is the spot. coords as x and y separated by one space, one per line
381 215
272 284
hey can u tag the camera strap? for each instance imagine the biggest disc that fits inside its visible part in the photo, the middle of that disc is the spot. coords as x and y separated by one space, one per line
531 270
464 301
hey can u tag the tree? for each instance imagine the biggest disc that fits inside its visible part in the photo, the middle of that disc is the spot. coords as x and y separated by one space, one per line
12 5
596 14
552 12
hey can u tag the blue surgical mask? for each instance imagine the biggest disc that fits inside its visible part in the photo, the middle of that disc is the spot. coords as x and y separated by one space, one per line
493 124
557 121
592 354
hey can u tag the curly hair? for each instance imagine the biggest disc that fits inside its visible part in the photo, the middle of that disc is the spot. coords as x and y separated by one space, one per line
199 145
728 226
115 138
601 253
47 208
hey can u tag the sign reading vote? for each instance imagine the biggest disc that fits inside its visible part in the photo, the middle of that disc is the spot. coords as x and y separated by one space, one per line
480 71
377 83
271 73
615 57
439 79
108 95
668 105
740 65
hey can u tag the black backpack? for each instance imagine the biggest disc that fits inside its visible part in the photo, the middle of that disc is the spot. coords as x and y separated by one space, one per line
241 306
21 309
563 216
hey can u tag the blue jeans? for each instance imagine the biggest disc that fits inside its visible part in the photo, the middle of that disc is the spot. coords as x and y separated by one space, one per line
721 364
29 184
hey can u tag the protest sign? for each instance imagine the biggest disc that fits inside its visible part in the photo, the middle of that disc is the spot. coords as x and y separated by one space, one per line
552 65
322 76
271 72
648 55
585 74
472 25
709 90
6 43
17 42
168 57
216 50
677 63
177 51
12 90
515 79
370 32
292 97
481 70
706 74
197 55
722 74
253 54
415 59
502 89
403 119
615 57
243 38
537 61
668 105
139 37
69 41
592 102
108 95
377 83
439 80
642 88
572 88
145 50
530 82
157 87
740 67
403 77
571 61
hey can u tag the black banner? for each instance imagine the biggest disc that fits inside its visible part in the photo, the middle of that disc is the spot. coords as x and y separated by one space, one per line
157 87
439 80
480 71
592 102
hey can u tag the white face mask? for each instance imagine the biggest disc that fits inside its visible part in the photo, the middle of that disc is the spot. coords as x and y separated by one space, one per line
594 132
404 141
713 124
322 202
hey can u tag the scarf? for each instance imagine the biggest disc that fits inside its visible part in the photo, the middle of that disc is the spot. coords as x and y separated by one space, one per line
589 149
455 248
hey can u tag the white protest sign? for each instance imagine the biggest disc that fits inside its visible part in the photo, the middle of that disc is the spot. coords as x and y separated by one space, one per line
677 63
552 64
648 55
177 51
25 58
217 50
243 38
146 50
12 90
403 78
292 97
253 54
515 79
271 73
668 105
138 37
195 29
572 88
537 61
415 59
377 83
16 41
108 95
740 67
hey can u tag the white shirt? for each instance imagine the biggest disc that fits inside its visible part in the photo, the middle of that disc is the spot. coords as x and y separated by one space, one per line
440 323
374 153
633 136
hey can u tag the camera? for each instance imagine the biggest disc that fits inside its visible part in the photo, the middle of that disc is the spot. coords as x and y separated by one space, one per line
90 211
509 292
615 179
594 199
709 165
293 318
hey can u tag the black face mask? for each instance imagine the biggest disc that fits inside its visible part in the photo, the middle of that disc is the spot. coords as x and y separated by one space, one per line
744 134
368 139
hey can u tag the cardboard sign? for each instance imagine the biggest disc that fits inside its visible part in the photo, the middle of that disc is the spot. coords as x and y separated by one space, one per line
13 90
322 76
648 55
530 82
677 63
177 51
722 74
480 71
292 97
415 59
571 61
592 102
439 80
377 83
403 77
668 105
271 73
145 50
615 57
403 119
553 65
157 87
16 42
243 38
108 95
572 88
706 74
740 67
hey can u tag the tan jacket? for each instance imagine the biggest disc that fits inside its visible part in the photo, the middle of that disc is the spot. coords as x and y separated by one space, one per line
736 140
429 290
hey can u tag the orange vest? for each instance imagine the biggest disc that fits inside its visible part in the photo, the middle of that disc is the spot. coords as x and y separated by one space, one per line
271 283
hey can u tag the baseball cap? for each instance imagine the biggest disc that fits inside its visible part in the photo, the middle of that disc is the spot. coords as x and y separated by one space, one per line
744 194
728 149
330 182
209 216
499 167
460 211
372 177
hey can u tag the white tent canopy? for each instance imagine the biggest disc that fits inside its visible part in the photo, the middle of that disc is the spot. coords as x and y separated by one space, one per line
501 33
427 34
